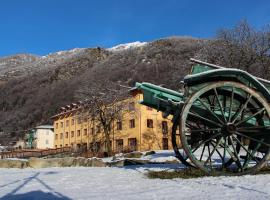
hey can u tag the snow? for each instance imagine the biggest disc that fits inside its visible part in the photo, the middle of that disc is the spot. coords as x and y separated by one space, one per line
127 46
124 183
64 53
128 182
3 148
160 156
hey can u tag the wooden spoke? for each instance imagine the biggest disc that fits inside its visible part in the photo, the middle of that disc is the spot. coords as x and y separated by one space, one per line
202 152
224 104
249 157
212 112
250 154
254 130
207 140
250 117
242 108
215 148
208 147
251 138
220 105
209 102
204 119
218 152
205 130
227 149
224 152
231 105
195 149
235 154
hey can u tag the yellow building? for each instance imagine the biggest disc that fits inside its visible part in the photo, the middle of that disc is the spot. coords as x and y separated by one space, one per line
140 128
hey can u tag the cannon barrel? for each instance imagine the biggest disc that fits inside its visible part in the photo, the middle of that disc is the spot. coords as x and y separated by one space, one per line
159 98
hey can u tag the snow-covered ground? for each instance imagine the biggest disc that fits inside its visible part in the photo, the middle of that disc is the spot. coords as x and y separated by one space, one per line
124 183
128 182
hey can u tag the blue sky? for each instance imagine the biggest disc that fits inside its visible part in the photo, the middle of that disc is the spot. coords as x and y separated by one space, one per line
44 26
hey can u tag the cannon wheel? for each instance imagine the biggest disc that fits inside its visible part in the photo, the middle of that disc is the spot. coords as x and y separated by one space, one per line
225 128
178 150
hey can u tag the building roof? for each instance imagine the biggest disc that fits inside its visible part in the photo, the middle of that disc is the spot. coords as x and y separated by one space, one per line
44 127
69 108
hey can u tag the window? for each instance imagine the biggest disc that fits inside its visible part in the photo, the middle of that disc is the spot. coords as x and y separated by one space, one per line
61 135
119 125
148 108
165 144
78 133
96 146
67 123
164 127
66 134
106 145
91 146
55 146
56 136
132 144
62 124
119 145
72 133
47 141
72 121
131 106
56 125
150 123
98 129
110 127
79 120
85 131
66 145
92 131
61 145
132 123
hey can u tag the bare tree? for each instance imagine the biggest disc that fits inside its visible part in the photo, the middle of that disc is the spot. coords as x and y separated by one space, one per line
241 47
104 105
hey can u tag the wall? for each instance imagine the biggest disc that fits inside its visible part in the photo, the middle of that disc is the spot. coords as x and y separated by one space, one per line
44 138
70 123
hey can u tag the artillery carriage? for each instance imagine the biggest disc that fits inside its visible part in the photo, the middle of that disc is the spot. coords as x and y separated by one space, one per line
221 118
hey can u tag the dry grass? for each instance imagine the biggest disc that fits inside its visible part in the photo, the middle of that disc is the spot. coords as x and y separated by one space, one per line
191 173
185 174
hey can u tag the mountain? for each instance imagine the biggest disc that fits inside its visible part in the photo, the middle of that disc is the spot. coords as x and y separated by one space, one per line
32 88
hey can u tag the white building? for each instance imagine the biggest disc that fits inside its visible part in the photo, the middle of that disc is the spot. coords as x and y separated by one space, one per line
44 137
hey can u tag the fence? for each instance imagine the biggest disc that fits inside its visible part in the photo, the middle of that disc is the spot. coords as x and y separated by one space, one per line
27 153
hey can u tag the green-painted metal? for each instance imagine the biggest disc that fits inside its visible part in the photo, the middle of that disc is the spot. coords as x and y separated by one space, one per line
159 98
227 74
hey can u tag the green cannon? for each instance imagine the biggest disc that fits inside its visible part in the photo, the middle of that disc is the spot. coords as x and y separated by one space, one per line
221 118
